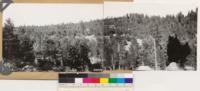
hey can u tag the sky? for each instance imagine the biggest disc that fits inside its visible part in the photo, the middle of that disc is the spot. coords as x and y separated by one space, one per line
46 14
149 7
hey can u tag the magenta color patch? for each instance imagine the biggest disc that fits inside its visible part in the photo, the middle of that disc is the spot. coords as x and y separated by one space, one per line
87 80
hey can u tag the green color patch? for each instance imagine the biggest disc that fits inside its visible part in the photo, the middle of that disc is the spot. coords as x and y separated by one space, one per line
112 80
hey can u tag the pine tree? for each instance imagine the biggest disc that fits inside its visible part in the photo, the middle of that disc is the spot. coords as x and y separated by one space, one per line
10 41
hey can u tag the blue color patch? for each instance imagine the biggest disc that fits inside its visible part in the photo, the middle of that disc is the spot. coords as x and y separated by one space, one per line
128 80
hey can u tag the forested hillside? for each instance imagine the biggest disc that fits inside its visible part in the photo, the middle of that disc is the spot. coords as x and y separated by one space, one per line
53 46
125 42
154 34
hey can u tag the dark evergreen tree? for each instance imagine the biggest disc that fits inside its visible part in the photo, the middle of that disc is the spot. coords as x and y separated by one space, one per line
10 41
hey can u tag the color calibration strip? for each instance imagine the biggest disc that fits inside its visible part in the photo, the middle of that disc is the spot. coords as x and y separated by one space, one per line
95 79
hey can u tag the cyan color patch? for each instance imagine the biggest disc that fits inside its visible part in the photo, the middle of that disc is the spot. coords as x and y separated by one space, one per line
120 80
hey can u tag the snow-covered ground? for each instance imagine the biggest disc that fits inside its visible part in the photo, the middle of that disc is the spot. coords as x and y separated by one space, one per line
144 68
171 67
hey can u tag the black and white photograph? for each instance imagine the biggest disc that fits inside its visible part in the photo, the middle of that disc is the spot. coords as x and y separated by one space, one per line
53 37
99 38
151 36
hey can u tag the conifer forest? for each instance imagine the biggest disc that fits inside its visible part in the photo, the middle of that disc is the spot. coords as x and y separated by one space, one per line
128 42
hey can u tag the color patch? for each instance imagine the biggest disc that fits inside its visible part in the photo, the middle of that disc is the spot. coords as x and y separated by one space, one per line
87 80
113 80
113 75
78 80
94 75
120 80
103 80
66 80
128 80
72 75
95 80
128 75
120 75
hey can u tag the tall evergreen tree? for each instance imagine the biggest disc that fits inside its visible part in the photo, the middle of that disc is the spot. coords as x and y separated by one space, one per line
10 41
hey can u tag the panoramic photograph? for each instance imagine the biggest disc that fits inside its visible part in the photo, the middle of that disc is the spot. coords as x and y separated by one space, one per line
150 36
53 37
100 38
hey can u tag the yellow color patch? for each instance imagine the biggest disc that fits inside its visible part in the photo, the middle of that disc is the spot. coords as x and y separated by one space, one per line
103 80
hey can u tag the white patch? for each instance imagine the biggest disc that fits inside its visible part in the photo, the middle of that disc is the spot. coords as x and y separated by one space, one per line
189 68
173 67
144 68
94 60
139 41
91 37
128 46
